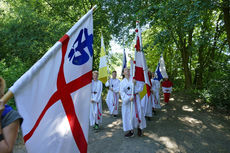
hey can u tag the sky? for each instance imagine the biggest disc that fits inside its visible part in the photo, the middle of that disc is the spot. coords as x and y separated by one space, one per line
117 48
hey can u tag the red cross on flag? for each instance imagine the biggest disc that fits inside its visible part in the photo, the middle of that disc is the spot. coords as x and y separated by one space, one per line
141 69
52 96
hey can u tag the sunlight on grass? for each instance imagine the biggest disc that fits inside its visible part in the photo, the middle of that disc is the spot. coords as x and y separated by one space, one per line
170 145
204 144
114 124
187 108
172 99
107 135
106 114
219 126
164 110
198 100
191 121
193 131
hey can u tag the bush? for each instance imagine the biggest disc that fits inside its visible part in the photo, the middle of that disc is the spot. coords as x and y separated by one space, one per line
11 72
218 89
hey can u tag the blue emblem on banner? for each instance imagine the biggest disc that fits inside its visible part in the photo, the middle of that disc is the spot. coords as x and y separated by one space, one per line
77 54
158 73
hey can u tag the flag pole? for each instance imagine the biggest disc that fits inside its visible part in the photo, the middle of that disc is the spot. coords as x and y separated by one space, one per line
133 74
108 68
7 97
132 89
95 8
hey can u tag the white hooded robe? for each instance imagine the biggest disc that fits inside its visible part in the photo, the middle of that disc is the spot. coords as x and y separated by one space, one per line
155 95
112 98
96 106
136 119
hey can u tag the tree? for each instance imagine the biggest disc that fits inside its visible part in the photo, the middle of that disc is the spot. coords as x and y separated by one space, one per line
226 11
29 28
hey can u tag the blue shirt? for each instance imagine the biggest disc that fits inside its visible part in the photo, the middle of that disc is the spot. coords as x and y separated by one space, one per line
6 110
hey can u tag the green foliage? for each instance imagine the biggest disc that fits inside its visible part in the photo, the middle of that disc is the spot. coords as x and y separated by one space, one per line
12 73
29 28
191 35
218 88
115 60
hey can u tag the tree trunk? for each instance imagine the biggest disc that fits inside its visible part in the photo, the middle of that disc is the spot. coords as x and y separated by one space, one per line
187 73
200 68
226 10
185 57
170 63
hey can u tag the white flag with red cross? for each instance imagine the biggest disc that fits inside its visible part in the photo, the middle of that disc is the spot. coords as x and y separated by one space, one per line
141 69
52 96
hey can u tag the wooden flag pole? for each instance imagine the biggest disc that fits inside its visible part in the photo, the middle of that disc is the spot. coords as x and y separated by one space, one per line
7 97
132 89
95 8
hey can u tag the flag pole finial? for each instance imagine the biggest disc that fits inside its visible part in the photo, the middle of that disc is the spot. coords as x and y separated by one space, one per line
130 56
94 7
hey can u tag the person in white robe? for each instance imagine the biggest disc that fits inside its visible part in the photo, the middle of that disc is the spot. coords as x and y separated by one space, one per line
96 102
146 102
155 93
132 112
112 98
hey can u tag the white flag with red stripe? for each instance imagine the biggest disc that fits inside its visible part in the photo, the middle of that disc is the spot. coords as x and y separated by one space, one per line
52 96
141 69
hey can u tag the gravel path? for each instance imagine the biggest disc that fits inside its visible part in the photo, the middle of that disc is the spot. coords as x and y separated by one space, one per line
184 125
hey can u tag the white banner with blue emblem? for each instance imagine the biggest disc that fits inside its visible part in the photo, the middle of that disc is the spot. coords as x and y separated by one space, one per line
52 96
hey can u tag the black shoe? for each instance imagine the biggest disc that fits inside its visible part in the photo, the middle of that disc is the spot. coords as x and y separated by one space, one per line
139 132
96 127
115 116
129 134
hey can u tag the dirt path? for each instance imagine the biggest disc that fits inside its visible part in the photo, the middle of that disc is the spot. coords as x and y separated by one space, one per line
184 125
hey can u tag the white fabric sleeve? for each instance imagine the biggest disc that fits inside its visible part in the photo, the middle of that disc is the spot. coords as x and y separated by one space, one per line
117 86
107 83
125 98
97 97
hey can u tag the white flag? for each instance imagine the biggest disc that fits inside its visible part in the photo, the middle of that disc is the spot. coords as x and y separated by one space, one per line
141 69
160 72
103 68
52 96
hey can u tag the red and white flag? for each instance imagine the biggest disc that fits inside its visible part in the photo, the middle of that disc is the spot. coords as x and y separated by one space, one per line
52 96
141 69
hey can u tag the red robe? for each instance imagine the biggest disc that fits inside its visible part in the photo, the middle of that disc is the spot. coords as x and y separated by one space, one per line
167 84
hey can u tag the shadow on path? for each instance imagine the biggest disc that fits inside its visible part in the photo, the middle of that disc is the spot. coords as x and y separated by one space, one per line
184 125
